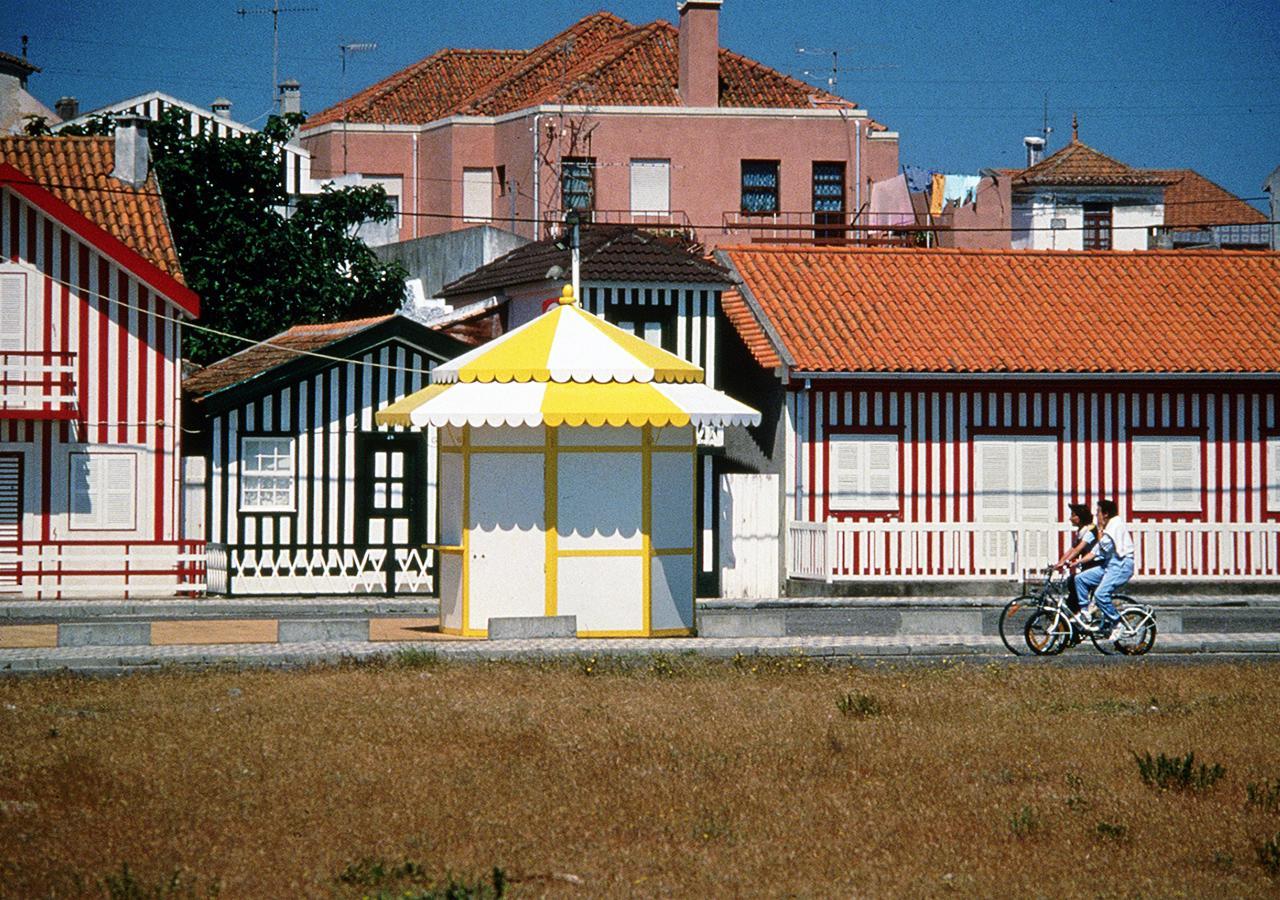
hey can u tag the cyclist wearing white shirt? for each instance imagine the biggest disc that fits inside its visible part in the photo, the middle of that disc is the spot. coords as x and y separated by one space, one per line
1115 549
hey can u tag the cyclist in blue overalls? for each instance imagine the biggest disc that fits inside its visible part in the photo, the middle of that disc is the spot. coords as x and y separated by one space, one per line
1115 549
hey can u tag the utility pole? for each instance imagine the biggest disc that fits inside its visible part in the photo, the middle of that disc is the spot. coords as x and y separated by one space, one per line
275 9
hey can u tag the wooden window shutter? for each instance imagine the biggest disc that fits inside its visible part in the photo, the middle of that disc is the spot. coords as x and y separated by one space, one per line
1273 474
651 185
477 194
13 311
846 472
1148 475
1183 492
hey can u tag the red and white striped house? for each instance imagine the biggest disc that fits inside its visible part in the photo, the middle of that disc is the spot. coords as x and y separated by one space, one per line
938 409
91 297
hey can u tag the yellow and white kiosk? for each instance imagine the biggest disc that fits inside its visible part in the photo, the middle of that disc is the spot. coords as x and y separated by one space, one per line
567 464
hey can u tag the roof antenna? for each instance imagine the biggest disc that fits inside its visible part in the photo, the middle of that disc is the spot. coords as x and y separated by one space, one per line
1046 129
275 9
1075 128
24 46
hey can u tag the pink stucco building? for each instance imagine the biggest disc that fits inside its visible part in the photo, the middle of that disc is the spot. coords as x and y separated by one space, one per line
650 124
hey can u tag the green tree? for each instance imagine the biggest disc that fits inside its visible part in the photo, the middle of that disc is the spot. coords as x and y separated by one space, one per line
260 260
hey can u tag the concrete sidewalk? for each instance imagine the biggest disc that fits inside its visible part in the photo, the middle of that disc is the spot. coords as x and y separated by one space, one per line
119 659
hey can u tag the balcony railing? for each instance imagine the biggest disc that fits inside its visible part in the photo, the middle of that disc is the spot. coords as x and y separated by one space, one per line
37 384
944 551
809 227
675 221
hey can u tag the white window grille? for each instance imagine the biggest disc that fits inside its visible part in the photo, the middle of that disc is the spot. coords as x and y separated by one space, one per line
266 474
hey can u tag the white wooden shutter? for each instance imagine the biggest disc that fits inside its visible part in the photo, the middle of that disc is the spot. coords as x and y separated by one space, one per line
13 311
1148 475
1273 474
651 185
845 471
881 478
477 195
1037 499
993 476
1183 491
118 491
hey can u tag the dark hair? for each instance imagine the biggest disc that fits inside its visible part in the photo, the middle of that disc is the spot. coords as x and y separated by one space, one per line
1081 510
1108 508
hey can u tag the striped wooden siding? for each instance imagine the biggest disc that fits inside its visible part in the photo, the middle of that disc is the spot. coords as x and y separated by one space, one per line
1092 424
325 412
696 308
126 360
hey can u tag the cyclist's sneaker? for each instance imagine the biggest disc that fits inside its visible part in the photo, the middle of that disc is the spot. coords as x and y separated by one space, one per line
1115 630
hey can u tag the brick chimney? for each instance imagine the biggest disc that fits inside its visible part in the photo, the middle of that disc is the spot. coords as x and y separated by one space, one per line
290 97
700 52
67 108
133 154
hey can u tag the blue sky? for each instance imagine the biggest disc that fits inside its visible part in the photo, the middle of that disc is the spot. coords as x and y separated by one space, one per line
1170 85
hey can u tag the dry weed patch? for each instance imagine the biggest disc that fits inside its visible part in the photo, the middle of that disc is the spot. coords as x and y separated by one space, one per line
661 776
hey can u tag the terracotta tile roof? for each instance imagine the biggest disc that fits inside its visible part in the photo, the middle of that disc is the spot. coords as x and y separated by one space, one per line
427 90
1194 201
749 329
77 170
910 310
608 253
1079 164
601 59
17 64
274 351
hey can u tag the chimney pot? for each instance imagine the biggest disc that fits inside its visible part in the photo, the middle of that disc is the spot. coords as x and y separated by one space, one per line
1035 149
132 153
67 108
221 107
290 97
699 52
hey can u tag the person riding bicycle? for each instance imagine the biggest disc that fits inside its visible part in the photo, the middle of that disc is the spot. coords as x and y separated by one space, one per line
1086 535
1115 548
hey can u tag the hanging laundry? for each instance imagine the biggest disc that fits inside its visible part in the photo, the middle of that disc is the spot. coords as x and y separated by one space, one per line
891 202
918 178
936 191
960 188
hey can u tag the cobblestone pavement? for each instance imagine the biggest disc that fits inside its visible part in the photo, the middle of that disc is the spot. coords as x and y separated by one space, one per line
107 659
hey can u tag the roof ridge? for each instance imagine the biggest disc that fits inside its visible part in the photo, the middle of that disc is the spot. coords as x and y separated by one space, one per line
608 54
1117 255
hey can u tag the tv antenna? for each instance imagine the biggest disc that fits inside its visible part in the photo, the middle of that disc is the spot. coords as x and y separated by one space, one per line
344 48
833 77
274 9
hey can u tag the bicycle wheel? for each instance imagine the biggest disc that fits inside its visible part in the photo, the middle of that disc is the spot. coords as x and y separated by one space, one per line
1139 631
1013 620
1046 633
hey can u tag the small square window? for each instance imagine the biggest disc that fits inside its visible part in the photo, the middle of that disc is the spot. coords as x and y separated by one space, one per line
760 185
266 474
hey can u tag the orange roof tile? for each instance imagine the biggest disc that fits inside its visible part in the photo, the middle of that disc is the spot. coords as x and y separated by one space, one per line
601 59
77 170
1194 201
1079 164
276 350
749 329
1005 311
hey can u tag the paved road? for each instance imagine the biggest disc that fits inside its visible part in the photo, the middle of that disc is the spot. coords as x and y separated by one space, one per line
1256 645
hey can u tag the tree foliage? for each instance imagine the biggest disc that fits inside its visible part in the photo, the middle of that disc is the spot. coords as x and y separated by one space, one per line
261 260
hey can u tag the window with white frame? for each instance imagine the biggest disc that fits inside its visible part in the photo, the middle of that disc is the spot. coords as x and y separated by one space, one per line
1273 474
651 186
1166 474
13 311
477 195
862 472
266 474
103 490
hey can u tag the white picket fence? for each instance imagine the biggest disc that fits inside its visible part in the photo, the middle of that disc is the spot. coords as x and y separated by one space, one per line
318 570
891 551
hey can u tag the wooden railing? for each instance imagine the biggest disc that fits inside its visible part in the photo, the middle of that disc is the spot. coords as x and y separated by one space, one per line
320 569
128 569
808 227
37 384
892 551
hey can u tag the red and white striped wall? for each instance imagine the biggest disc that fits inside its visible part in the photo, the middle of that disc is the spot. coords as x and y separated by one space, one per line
1090 426
124 346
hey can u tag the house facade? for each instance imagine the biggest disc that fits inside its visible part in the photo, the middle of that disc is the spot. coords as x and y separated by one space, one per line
1081 199
652 124
91 304
937 410
305 494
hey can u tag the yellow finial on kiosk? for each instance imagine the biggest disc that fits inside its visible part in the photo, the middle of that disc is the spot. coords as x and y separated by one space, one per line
566 296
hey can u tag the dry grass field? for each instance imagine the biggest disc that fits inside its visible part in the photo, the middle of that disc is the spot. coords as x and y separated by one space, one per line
666 777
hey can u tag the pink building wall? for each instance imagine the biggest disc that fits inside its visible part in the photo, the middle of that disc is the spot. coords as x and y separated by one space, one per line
985 223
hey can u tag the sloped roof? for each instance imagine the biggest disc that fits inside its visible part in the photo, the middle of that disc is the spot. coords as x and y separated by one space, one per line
607 253
749 329
274 351
1079 164
1194 201
601 60
1002 311
77 170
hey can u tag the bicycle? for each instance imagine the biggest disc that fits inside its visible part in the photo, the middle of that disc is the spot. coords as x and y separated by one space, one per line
1020 610
1054 626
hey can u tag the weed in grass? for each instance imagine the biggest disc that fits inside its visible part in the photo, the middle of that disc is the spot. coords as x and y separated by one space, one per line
391 880
855 705
1116 831
415 658
374 872
1223 860
1268 851
1177 772
1025 822
661 666
1266 796
128 886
